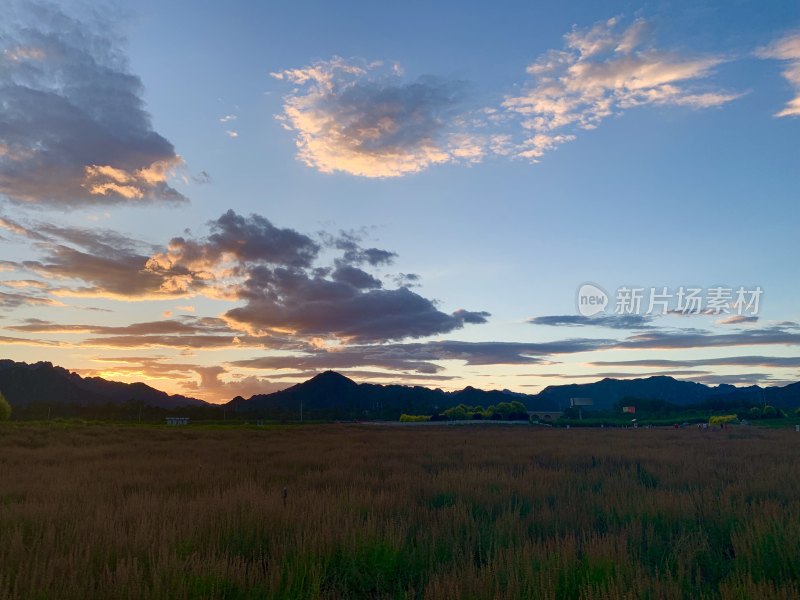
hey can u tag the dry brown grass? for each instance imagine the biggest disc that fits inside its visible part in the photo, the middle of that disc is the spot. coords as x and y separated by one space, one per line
419 512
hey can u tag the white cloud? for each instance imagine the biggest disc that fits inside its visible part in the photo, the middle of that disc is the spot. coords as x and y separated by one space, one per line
787 49
604 70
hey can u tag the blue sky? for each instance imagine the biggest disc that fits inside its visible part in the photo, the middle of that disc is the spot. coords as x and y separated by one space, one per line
503 155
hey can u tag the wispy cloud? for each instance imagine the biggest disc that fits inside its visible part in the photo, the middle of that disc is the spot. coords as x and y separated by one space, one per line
423 357
734 361
74 129
604 71
611 321
15 341
737 319
364 119
778 335
16 299
787 49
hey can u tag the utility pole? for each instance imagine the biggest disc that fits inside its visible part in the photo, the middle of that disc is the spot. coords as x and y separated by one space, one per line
301 409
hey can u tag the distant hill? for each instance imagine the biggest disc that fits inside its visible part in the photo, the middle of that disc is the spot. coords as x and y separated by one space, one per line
332 395
606 392
25 384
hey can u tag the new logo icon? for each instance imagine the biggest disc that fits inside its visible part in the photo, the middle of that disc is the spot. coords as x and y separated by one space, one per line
591 300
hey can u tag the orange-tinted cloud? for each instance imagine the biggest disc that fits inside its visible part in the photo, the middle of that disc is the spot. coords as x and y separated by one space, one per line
362 119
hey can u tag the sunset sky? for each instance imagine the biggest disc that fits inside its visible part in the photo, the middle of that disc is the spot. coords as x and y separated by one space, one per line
226 198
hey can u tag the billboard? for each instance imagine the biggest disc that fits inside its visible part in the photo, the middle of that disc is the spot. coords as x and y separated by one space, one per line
629 409
581 402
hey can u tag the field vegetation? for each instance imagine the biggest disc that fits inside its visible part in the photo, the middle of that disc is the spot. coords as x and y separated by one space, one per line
361 511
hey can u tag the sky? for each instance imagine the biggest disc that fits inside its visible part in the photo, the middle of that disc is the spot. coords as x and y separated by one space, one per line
225 200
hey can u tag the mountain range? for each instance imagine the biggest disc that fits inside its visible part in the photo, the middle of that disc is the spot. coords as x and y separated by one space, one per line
607 392
332 395
25 384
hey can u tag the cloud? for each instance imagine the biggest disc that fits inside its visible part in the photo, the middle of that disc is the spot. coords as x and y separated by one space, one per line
185 332
10 300
74 129
352 251
310 305
736 378
787 49
24 283
15 341
704 377
211 383
737 319
603 71
425 357
246 240
108 264
362 119
612 321
422 357
622 374
276 274
776 362
186 325
214 387
664 340
113 272
345 358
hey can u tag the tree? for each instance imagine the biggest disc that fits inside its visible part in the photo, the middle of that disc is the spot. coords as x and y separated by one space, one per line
5 408
770 412
457 413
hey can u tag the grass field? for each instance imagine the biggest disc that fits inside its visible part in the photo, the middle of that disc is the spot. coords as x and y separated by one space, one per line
398 512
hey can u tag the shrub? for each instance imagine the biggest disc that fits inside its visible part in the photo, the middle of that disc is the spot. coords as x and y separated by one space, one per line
414 418
717 419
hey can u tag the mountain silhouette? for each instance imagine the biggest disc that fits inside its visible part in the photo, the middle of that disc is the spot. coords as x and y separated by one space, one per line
607 392
26 384
331 395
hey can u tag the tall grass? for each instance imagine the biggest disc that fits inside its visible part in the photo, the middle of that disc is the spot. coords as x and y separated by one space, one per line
374 512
